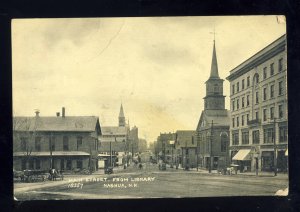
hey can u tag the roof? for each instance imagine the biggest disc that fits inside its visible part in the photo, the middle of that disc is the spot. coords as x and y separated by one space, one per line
214 65
54 123
54 153
115 146
108 130
121 114
219 118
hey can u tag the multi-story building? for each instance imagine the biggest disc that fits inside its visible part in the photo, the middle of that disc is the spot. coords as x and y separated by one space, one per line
259 110
213 125
185 149
164 146
60 142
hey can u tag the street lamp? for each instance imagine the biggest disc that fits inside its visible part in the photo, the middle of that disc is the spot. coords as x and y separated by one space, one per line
172 145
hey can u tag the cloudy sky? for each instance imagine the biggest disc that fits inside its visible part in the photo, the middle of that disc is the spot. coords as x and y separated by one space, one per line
155 66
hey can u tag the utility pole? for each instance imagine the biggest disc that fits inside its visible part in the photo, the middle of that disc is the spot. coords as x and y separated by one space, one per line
197 149
110 154
210 149
275 149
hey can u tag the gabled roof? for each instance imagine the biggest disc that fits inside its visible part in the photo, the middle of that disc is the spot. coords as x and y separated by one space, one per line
68 123
219 118
113 130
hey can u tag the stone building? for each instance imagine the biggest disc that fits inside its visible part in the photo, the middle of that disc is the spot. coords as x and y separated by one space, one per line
259 110
213 125
60 142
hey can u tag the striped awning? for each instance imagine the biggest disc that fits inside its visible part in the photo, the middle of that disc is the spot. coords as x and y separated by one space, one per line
242 154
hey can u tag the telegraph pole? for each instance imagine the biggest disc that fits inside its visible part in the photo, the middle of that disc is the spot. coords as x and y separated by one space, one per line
275 149
211 139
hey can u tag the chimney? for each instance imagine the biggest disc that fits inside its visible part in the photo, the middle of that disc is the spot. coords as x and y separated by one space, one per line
37 112
57 114
63 112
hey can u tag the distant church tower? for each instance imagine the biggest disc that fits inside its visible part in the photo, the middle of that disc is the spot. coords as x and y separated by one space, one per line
214 99
122 122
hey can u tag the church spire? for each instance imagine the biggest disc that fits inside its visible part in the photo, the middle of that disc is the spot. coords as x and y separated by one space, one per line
214 64
121 117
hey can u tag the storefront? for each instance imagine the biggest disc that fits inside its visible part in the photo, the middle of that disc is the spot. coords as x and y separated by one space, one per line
267 160
243 159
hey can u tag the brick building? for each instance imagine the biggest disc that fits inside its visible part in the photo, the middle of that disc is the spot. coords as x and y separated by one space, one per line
258 130
61 142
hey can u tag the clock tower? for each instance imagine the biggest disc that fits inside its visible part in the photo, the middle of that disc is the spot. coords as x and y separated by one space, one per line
214 99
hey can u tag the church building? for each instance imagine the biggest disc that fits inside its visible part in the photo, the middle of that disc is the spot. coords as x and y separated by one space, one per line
213 126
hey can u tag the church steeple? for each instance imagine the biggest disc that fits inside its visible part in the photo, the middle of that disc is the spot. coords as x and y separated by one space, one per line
214 99
121 117
214 65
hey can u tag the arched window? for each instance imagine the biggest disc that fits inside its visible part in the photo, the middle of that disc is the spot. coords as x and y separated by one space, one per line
256 79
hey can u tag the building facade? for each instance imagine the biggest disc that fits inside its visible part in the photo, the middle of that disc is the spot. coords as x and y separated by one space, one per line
258 96
185 154
164 146
213 125
60 142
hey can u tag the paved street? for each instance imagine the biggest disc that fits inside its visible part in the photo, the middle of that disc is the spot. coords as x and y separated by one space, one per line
152 183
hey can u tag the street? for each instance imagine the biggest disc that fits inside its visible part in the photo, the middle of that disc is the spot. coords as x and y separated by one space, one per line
149 182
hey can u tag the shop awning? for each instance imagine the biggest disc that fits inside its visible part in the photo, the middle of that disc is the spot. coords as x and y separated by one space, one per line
54 153
242 154
286 152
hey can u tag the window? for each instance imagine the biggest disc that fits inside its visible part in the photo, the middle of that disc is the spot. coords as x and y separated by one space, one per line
283 134
280 65
79 164
272 113
237 121
242 120
265 72
280 90
245 137
272 69
235 138
223 143
186 151
257 79
243 101
232 89
280 111
268 135
272 91
69 165
256 97
255 137
237 104
38 144
248 81
248 102
256 115
247 118
23 165
31 164
79 142
265 115
232 122
265 94
37 164
243 84
52 143
233 105
23 144
237 87
65 143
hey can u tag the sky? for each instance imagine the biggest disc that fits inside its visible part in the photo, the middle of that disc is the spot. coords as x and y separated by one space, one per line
155 66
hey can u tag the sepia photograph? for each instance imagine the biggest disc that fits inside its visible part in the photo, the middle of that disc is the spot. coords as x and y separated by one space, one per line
149 107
